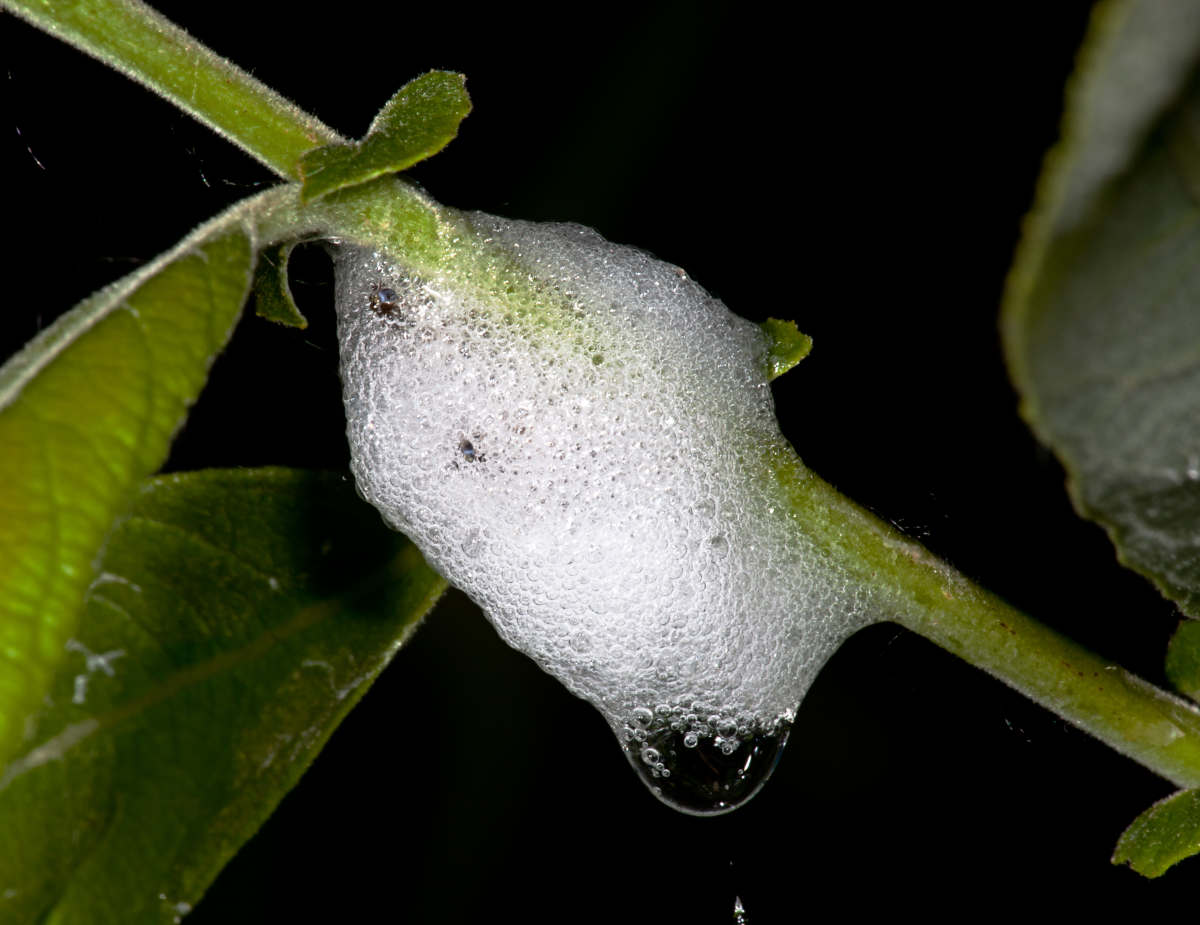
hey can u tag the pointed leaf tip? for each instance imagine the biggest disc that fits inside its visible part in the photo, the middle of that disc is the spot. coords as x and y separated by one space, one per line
416 123
1165 834
272 295
786 346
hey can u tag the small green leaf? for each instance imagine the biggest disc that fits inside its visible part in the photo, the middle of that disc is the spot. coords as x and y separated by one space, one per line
1165 834
1102 310
1183 659
87 410
788 346
272 294
237 618
416 123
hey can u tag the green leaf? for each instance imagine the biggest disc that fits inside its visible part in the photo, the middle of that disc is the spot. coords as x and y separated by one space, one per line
416 123
1165 834
1102 311
1183 659
88 410
238 616
788 346
273 298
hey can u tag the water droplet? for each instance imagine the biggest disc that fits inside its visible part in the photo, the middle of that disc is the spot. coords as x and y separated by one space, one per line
719 546
472 543
707 776
642 717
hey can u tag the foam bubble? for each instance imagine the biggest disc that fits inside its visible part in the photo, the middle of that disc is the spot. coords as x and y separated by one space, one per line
573 432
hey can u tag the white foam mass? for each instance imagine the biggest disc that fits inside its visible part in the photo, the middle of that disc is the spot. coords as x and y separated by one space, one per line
582 455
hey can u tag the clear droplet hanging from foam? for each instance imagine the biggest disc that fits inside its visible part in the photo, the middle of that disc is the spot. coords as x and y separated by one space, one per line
617 521
703 766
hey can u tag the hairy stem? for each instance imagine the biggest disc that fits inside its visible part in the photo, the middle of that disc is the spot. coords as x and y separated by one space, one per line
132 38
915 589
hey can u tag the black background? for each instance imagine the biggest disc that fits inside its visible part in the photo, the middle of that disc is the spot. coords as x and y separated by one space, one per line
862 169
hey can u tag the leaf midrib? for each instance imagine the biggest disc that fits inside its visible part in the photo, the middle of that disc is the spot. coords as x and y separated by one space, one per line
199 672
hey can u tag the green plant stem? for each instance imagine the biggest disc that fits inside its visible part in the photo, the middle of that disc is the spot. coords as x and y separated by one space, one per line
133 38
906 583
915 589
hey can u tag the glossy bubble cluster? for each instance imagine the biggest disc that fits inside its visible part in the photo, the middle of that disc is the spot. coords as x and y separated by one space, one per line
575 434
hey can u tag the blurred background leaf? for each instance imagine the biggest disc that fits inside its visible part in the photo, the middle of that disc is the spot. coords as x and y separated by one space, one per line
238 616
1102 320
